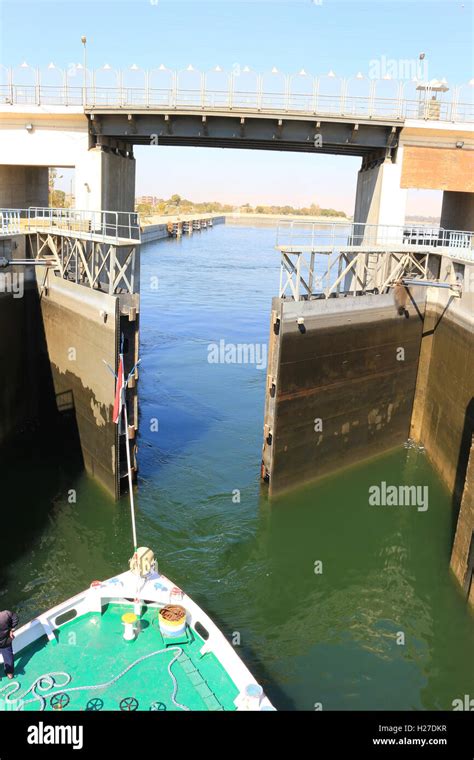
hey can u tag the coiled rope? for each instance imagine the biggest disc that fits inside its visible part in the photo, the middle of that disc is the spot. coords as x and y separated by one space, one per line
50 680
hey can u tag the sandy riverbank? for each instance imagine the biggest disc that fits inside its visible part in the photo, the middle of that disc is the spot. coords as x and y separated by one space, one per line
270 220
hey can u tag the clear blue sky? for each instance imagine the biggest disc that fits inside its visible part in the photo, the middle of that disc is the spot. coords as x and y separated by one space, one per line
332 34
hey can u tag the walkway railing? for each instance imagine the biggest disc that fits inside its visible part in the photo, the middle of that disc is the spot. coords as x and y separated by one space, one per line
296 235
117 227
333 258
96 249
10 221
241 89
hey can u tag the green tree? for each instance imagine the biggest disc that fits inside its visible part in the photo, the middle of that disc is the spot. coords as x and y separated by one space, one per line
57 199
145 209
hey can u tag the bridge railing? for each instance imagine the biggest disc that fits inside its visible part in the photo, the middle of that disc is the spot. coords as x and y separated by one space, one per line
301 93
117 227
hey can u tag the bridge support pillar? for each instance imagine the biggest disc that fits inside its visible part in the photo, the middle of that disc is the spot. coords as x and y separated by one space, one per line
457 211
23 186
379 197
105 180
379 201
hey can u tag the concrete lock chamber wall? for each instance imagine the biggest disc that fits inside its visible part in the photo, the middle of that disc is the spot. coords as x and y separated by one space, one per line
85 331
54 347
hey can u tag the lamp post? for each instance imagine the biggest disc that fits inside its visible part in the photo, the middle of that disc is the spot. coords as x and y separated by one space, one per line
138 69
63 96
187 94
329 100
84 90
164 95
346 97
27 88
421 72
293 97
215 96
270 99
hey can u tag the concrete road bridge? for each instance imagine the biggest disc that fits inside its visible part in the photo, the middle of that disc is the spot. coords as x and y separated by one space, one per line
407 134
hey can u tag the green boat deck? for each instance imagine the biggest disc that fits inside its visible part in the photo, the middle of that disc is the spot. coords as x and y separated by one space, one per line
92 651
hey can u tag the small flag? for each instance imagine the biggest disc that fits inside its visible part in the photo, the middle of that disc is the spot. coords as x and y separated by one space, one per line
119 393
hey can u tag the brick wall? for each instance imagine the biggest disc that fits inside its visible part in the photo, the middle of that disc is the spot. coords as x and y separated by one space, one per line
438 169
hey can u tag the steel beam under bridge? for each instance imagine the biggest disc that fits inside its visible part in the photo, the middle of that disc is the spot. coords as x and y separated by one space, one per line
116 127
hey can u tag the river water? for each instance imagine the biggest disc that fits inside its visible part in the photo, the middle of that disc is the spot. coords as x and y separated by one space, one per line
335 602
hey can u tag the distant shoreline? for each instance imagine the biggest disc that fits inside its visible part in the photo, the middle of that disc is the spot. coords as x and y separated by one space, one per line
272 219
263 220
236 218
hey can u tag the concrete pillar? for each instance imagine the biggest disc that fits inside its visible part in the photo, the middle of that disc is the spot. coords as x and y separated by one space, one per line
23 186
380 200
105 180
457 211
379 197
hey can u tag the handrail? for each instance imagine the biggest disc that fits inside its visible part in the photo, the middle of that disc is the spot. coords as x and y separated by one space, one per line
300 235
107 226
328 259
10 221
361 97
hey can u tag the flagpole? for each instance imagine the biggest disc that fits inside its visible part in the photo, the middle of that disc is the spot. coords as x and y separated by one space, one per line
120 404
129 467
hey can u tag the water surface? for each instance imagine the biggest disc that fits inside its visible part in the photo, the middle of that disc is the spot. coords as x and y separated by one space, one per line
329 637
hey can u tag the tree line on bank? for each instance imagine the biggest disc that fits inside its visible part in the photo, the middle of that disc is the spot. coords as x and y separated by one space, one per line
178 205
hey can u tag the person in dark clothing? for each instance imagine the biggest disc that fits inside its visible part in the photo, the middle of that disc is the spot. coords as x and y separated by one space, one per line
8 623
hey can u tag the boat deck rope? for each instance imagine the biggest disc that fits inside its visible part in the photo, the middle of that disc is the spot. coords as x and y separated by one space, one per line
51 681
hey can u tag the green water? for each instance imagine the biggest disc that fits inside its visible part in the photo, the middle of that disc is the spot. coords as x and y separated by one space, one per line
309 637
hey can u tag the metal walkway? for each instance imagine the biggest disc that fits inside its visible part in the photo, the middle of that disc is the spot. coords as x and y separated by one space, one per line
119 227
334 258
97 249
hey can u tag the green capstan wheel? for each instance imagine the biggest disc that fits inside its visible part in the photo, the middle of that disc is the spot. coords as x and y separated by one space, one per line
96 703
59 701
129 704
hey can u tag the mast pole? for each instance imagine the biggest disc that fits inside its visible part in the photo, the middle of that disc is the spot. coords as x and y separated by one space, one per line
129 468
123 393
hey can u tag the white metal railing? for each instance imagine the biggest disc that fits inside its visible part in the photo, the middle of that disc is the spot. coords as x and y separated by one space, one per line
295 235
240 89
10 221
95 249
332 258
103 226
